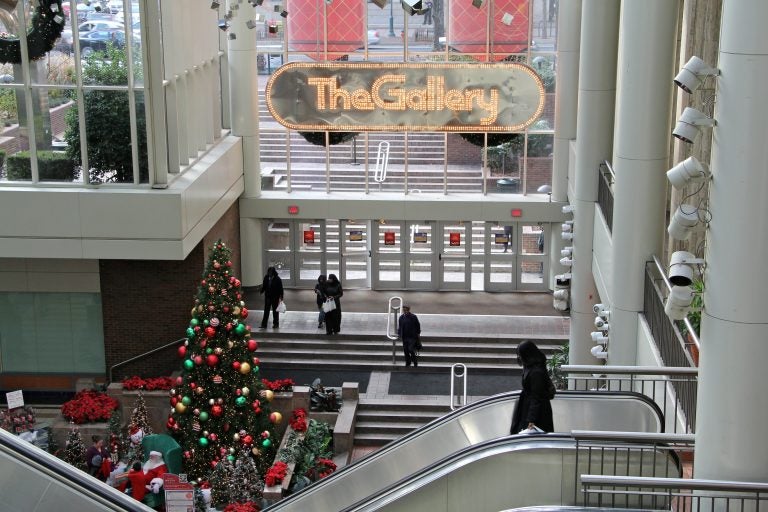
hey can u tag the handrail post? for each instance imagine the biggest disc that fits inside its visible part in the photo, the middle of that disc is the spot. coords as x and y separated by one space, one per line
394 307
463 376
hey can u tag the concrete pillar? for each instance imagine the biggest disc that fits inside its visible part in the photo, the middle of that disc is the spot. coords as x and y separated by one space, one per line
566 94
648 37
243 92
732 403
251 242
597 96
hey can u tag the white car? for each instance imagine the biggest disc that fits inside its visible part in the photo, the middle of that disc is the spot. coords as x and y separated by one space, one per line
66 39
373 37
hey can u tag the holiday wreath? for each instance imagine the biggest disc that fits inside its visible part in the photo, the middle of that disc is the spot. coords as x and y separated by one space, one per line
47 24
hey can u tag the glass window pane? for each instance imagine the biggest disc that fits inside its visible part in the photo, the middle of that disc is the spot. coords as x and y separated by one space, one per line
108 136
539 162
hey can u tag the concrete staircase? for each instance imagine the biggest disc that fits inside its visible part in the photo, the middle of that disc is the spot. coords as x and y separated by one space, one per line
382 422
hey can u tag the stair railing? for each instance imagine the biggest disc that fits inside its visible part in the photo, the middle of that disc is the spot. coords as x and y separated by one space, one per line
458 372
382 162
143 355
394 307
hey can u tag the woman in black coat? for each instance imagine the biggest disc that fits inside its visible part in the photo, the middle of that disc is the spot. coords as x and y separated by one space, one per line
334 291
533 407
272 288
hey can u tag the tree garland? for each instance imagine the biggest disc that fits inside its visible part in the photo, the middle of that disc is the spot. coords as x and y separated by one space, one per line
47 25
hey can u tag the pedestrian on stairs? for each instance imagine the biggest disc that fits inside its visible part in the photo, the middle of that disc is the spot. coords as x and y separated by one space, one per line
272 288
533 408
320 296
409 332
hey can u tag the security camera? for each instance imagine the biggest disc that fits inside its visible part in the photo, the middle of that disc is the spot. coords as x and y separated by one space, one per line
599 337
600 322
566 262
681 269
687 126
678 302
569 208
561 294
599 307
683 221
566 227
566 252
687 171
567 235
693 74
598 352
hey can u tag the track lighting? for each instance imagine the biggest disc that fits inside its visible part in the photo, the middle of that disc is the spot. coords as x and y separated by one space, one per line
678 302
693 74
681 268
687 126
683 222
687 171
598 352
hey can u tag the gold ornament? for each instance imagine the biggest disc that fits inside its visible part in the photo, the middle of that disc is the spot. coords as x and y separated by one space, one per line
246 391
200 308
199 390
268 394
236 311
181 408
236 436
245 368
193 311
256 452
230 344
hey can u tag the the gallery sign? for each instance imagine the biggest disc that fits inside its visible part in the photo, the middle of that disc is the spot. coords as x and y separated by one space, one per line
449 97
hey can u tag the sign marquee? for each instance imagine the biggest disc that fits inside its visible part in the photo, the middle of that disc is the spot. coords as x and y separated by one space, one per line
364 96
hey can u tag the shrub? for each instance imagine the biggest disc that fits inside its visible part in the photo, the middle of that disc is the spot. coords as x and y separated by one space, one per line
52 166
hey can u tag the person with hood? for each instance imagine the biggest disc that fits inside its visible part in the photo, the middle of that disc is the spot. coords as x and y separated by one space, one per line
272 288
533 408
409 331
320 297
333 290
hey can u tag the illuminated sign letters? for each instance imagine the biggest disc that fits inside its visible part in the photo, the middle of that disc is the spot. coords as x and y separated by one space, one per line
453 97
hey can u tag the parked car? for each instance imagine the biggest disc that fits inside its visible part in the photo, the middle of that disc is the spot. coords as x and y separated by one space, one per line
64 43
373 37
97 40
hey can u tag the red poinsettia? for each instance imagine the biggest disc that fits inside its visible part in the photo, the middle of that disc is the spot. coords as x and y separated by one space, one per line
89 406
298 420
279 384
323 468
248 506
149 384
276 473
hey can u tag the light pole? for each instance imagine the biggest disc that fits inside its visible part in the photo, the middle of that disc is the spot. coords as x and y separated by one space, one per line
391 19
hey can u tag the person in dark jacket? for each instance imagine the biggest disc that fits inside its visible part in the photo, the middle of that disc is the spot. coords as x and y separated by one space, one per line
533 407
409 331
272 288
97 459
334 291
320 297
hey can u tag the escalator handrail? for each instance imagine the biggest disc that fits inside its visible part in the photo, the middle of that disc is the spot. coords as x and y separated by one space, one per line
59 470
470 454
501 397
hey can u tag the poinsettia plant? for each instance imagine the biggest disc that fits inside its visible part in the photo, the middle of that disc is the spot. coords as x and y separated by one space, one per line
279 384
276 473
149 384
298 420
89 406
322 468
248 506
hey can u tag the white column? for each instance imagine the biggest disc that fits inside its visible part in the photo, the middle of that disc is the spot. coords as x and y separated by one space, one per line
597 96
251 244
648 37
243 93
732 400
566 94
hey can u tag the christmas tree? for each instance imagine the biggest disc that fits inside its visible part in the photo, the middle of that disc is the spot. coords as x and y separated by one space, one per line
219 404
245 485
220 479
137 429
74 453
114 437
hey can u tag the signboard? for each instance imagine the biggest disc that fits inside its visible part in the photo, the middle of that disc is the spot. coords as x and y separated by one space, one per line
179 496
309 237
15 399
389 96
389 238
501 238
419 238
454 239
355 236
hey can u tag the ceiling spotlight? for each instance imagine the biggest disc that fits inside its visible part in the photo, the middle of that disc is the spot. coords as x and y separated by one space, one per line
681 268
687 126
214 5
411 6
683 221
678 302
686 171
693 74
598 352
223 25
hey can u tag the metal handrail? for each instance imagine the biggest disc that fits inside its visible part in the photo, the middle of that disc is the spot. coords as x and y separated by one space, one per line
636 370
674 483
608 166
392 316
140 356
686 322
382 162
463 376
643 437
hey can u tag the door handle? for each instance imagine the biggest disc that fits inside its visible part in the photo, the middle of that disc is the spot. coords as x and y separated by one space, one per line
369 253
440 256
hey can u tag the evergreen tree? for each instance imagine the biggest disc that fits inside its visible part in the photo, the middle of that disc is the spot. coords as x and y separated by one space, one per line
74 453
245 485
114 436
138 428
220 405
219 480
199 502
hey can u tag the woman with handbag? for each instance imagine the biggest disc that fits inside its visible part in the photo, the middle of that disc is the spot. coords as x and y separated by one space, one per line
320 297
533 409
333 290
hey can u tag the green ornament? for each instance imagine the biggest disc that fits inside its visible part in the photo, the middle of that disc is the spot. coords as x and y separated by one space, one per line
266 443
186 400
240 401
205 322
231 458
209 350
203 416
240 329
193 322
190 332
203 442
255 369
188 364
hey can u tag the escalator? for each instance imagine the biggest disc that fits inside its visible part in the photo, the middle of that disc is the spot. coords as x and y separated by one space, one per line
32 480
480 422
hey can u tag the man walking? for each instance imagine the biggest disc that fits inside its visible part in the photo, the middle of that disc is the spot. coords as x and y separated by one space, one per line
409 331
272 288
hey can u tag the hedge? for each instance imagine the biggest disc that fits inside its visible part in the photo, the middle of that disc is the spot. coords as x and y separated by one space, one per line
52 166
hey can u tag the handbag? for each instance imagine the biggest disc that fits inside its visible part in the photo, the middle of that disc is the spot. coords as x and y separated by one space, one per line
329 305
281 307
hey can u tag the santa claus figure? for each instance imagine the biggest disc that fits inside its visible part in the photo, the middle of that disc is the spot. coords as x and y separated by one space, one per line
154 467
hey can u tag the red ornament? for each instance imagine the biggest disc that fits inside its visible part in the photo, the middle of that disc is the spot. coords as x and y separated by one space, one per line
228 326
187 455
248 440
257 410
217 410
203 343
202 282
238 392
197 328
173 401
182 351
239 296
256 361
179 381
192 385
225 309
212 436
244 313
211 308
212 360
229 263
236 365
198 360
237 283
210 332
253 345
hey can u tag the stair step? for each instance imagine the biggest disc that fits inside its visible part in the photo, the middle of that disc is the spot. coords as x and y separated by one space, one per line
378 439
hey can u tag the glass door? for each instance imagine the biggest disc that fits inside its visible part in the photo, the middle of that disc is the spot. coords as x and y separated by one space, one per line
310 254
355 253
533 263
454 257
421 256
279 253
388 254
500 257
